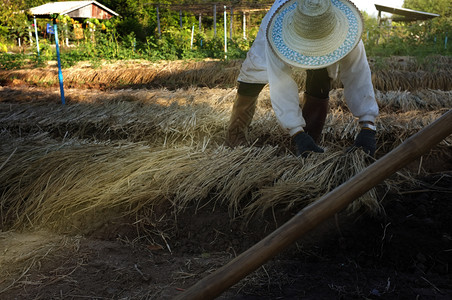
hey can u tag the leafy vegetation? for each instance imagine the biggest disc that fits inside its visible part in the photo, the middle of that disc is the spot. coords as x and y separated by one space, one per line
135 33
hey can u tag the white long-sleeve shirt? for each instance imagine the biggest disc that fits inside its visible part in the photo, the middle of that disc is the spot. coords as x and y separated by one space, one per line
263 66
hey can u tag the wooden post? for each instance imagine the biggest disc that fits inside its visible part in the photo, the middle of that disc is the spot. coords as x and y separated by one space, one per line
244 25
158 21
199 21
225 33
192 33
30 36
180 18
66 34
379 26
320 210
389 28
214 20
231 21
36 34
445 41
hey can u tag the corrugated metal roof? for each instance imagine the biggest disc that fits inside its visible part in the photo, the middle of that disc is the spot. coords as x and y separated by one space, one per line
66 7
409 14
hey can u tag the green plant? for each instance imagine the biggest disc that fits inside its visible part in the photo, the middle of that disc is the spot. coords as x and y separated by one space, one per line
10 61
3 48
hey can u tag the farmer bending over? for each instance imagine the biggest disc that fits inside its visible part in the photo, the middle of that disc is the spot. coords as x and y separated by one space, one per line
317 36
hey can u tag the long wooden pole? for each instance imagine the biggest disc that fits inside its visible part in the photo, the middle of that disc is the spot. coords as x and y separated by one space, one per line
317 212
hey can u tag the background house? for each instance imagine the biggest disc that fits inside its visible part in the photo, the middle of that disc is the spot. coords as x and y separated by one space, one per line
74 9
78 11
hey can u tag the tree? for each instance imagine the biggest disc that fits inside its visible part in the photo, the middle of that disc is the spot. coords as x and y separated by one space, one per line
34 3
13 23
440 26
442 7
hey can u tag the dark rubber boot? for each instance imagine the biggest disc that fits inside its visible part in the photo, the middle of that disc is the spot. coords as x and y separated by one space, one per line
314 113
241 117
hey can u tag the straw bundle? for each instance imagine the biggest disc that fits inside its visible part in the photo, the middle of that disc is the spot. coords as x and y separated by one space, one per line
162 116
411 63
390 80
199 117
219 98
317 177
158 96
398 74
68 186
407 101
392 129
171 74
22 251
397 127
139 143
400 101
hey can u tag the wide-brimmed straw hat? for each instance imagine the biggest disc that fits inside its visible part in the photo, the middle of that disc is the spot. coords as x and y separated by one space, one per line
313 34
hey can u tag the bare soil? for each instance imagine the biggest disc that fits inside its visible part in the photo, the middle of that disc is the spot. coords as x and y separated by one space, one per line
405 253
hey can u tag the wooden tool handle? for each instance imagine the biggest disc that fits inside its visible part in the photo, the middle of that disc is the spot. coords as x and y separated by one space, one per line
315 213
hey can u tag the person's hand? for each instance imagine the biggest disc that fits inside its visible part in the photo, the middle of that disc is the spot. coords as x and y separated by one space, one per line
366 141
305 144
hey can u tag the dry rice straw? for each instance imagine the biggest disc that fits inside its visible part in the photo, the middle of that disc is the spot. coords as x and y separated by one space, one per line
68 188
194 116
398 74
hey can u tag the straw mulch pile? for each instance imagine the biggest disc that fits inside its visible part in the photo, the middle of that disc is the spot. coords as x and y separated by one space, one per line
123 154
68 185
388 74
199 116
399 80
171 74
410 63
22 251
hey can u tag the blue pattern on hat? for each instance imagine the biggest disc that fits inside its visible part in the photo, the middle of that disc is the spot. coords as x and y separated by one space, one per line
298 58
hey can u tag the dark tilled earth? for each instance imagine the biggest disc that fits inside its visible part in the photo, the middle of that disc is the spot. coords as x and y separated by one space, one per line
405 253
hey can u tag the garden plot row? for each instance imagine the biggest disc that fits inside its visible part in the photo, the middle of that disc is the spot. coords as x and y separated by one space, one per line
397 74
136 144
